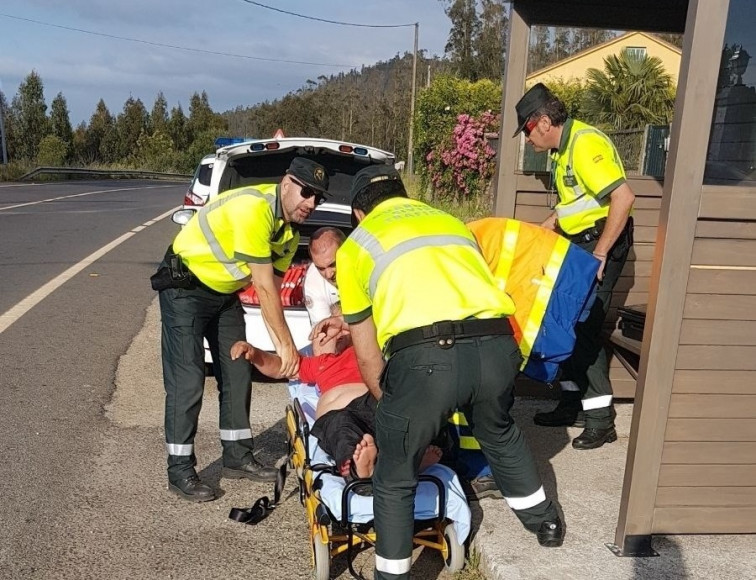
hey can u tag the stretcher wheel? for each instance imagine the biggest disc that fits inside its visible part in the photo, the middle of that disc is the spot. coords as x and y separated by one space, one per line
321 553
454 554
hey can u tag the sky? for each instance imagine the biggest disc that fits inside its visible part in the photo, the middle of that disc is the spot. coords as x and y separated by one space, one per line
86 67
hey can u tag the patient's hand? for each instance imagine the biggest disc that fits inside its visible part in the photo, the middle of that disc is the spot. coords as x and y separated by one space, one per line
331 328
242 349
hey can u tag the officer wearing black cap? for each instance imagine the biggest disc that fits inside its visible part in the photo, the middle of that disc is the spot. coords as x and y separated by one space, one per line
431 333
594 211
242 236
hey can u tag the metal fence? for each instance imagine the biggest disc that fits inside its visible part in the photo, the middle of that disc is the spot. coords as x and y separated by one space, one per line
132 173
629 144
643 152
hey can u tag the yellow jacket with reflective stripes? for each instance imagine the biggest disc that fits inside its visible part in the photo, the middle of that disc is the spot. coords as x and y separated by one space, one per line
586 169
410 265
238 227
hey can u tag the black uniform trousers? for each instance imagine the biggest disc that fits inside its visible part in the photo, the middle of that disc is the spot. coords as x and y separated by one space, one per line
588 367
188 315
422 385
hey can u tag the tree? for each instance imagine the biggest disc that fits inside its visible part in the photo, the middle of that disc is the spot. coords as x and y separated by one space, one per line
158 121
154 152
491 41
10 123
30 111
464 29
584 38
177 130
60 124
202 144
571 92
129 126
202 118
630 92
53 151
79 151
562 47
539 49
673 39
100 125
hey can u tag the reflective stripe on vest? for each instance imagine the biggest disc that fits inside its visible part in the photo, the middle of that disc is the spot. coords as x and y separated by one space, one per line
382 258
580 202
228 262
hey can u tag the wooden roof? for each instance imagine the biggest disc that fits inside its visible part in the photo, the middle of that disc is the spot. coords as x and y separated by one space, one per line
648 15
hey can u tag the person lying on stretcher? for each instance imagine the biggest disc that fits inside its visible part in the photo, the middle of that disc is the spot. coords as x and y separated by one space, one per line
345 414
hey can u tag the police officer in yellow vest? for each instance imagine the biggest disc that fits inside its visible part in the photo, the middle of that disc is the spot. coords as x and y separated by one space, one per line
431 333
594 212
242 236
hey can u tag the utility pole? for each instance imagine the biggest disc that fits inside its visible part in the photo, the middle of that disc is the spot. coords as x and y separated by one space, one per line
2 132
410 157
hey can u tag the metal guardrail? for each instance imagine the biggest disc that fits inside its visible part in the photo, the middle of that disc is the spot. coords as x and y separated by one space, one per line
103 172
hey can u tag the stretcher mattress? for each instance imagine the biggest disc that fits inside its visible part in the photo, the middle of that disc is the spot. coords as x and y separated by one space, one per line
361 507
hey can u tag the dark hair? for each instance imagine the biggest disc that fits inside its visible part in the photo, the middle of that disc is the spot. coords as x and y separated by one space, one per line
554 110
369 197
327 230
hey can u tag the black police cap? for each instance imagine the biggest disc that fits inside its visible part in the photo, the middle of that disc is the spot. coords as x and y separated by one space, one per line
310 173
369 175
530 102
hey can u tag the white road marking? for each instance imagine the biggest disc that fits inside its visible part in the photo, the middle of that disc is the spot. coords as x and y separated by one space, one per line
83 194
22 307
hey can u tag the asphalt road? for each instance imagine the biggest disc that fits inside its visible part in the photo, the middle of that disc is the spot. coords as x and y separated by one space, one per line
82 465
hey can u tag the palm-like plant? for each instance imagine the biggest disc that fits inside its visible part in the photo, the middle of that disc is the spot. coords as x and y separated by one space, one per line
631 92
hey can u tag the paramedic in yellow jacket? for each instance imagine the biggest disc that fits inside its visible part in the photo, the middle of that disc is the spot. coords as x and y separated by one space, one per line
242 236
594 212
415 290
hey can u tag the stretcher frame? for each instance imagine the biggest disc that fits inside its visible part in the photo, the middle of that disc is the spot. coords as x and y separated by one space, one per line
328 541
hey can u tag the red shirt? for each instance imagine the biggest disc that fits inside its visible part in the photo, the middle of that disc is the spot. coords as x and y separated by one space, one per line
330 370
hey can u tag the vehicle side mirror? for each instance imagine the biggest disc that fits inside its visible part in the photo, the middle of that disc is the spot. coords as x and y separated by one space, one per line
182 216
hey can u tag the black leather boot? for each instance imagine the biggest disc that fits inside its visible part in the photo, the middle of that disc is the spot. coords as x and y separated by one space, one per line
551 533
592 438
253 470
192 489
568 413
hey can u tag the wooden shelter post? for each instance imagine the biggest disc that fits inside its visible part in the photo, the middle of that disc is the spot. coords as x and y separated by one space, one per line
702 49
514 83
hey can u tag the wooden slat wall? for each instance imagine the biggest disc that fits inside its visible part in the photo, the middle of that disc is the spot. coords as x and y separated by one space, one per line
707 480
533 205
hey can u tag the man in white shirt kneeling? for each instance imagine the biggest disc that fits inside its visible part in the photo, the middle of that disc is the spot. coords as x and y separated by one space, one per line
320 290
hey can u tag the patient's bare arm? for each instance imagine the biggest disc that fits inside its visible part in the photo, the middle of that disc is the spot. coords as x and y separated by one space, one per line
267 363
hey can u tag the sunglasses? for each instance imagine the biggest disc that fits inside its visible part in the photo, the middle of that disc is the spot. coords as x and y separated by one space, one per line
307 192
529 126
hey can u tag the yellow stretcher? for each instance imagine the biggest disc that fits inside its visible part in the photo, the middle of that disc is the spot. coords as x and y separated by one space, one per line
332 529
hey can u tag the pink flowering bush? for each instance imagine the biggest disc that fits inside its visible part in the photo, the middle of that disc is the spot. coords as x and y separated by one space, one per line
462 166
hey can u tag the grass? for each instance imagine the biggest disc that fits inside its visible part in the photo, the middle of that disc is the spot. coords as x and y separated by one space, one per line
471 570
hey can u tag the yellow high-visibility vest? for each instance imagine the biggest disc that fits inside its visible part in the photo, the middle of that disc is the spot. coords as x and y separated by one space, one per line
586 169
410 265
239 227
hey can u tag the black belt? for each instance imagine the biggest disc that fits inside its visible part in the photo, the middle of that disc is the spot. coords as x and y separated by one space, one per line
200 284
446 332
594 232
